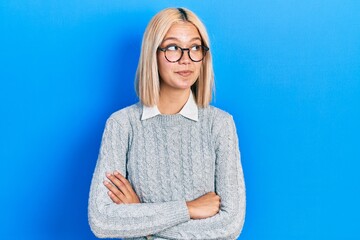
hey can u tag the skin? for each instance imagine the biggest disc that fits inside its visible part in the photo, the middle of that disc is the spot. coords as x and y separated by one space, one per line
176 80
120 190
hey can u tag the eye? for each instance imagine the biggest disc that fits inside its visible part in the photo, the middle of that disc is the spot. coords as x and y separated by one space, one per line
172 48
196 48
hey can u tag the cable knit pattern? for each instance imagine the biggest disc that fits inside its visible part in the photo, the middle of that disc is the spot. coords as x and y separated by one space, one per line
169 159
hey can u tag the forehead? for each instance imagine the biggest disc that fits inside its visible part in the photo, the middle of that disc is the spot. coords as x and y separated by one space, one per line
183 32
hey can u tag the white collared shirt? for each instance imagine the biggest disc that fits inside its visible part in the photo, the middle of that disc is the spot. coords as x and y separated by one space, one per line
190 110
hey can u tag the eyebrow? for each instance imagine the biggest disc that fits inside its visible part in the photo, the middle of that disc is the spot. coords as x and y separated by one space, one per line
173 38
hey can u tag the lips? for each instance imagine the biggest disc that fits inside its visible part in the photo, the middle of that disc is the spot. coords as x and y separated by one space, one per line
184 73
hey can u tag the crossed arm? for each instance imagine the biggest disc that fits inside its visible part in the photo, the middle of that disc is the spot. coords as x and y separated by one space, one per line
121 192
115 210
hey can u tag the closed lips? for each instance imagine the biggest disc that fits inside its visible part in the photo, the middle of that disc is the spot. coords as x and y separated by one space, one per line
184 73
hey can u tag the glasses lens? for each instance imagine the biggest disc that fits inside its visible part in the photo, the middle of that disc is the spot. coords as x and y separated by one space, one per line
173 53
197 53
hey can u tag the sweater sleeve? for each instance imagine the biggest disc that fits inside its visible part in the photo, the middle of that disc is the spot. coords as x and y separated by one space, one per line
109 220
229 184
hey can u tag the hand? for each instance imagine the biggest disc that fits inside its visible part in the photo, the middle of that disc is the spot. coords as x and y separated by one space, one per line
120 190
205 206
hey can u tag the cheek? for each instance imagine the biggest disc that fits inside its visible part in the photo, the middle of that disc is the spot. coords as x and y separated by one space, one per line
160 66
198 68
164 67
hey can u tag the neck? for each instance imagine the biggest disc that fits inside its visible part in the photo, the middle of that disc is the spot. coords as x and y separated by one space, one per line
171 102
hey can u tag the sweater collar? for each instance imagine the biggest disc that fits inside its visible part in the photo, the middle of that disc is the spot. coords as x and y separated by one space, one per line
190 110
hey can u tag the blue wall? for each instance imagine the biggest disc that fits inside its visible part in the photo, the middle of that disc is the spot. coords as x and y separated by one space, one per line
289 72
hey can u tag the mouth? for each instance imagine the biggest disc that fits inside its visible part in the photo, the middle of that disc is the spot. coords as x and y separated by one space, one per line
185 73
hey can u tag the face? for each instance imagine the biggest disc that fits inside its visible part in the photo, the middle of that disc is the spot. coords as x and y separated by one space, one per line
183 74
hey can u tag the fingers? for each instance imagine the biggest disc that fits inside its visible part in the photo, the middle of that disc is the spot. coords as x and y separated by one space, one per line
114 198
114 193
117 188
125 182
118 183
120 189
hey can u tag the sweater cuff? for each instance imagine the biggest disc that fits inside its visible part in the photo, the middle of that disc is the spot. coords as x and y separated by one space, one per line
180 213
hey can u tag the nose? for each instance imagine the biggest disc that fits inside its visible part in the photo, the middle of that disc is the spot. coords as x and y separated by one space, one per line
185 58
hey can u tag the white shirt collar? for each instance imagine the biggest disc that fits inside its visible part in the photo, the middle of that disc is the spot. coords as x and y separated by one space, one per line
190 110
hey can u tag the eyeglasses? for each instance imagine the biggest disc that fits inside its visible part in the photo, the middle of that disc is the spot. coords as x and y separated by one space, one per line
174 53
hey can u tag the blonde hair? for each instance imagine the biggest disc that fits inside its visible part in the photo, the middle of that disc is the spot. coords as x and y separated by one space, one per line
147 82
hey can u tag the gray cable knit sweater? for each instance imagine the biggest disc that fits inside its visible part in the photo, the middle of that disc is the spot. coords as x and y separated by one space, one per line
169 159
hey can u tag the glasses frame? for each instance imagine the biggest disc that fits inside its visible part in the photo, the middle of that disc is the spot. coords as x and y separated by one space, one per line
204 49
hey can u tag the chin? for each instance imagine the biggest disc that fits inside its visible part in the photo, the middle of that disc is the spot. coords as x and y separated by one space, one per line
185 86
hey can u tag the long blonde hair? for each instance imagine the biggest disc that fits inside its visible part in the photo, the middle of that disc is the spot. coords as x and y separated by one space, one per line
147 82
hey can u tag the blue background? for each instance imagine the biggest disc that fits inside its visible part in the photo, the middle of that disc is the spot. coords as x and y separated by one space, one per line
288 71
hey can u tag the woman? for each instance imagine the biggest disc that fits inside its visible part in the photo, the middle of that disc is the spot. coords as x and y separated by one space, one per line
171 163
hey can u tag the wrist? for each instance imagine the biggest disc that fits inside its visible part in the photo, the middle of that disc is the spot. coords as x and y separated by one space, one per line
190 208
